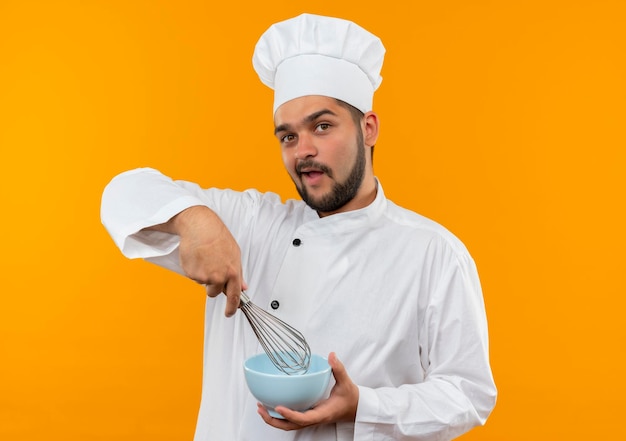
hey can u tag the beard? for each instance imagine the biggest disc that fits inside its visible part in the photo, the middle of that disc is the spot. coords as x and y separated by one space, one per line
342 192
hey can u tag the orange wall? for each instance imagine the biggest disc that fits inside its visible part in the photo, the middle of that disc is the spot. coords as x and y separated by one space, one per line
505 121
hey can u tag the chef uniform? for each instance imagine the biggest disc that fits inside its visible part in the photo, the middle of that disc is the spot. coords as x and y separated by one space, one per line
394 294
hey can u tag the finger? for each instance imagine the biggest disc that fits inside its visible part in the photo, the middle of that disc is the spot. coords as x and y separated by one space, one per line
214 290
233 294
300 419
275 422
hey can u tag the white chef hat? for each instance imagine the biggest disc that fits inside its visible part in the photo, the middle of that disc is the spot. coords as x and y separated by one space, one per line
316 55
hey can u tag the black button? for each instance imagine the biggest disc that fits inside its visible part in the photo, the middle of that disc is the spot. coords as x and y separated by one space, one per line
296 242
274 304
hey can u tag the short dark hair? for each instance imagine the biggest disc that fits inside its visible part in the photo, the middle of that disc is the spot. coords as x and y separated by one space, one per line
356 114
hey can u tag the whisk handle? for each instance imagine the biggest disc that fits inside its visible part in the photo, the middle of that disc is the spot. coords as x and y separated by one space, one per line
244 298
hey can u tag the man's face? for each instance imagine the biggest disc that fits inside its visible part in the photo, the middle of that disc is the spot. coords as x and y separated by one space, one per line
323 151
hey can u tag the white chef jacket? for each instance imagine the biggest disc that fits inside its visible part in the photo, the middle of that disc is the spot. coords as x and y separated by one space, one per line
394 294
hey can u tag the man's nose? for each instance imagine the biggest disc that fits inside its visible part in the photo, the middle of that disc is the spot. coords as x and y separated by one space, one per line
305 147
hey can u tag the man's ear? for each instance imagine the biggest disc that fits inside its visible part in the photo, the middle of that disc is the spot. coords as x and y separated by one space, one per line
370 127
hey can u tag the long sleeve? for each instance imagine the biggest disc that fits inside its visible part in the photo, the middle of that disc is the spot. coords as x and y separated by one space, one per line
138 199
458 391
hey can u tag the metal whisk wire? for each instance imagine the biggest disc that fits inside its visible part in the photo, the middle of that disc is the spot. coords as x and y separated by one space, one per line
285 346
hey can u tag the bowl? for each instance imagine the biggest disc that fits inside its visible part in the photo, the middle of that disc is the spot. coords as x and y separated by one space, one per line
272 387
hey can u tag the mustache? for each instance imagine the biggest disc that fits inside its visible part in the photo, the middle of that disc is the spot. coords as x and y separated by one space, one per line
308 163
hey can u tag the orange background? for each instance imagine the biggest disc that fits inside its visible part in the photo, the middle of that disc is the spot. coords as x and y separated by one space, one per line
504 121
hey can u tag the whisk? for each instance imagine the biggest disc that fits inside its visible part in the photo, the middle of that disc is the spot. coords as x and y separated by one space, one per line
285 346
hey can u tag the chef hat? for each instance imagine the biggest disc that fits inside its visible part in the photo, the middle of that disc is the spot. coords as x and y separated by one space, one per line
316 55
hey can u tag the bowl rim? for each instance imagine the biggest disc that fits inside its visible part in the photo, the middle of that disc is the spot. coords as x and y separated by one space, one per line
283 375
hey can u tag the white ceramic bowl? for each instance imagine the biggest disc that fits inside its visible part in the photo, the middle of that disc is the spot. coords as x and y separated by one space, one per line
297 392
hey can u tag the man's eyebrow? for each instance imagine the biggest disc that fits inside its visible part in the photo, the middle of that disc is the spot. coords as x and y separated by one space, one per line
313 116
307 119
281 128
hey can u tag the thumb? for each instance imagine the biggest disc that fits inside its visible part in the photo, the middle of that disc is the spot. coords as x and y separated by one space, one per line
339 370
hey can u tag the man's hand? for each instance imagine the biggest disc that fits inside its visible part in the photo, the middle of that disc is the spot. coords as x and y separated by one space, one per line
208 253
340 406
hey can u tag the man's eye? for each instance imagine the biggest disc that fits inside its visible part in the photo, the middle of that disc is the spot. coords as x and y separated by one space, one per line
287 138
322 127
